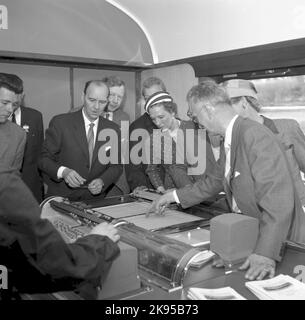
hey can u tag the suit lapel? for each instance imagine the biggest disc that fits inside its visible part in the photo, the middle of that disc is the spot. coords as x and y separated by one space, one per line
234 143
23 117
97 143
79 130
270 125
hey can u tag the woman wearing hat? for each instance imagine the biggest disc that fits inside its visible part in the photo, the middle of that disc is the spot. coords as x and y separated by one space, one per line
166 146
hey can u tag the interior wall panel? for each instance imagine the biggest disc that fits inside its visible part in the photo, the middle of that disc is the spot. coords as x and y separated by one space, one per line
46 88
178 80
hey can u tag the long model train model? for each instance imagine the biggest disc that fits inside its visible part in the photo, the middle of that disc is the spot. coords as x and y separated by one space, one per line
149 254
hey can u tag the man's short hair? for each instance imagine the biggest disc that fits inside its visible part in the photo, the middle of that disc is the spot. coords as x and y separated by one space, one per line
11 82
204 80
114 81
98 83
210 92
152 81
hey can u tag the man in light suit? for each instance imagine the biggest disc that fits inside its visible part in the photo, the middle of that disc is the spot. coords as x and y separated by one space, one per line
12 137
75 151
31 121
255 175
243 96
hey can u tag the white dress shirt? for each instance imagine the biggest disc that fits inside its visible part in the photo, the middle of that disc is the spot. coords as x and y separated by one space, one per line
227 146
17 116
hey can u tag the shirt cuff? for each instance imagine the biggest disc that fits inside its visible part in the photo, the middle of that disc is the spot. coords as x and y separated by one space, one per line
60 171
175 196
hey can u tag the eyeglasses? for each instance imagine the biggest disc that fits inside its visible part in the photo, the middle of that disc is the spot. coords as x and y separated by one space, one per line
193 116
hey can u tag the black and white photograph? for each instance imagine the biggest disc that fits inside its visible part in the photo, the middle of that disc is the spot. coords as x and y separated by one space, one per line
152 153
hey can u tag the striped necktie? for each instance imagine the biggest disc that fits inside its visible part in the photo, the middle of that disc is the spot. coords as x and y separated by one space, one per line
90 138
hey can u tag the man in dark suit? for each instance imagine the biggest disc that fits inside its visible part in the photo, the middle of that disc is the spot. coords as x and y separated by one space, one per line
12 137
115 113
243 96
255 176
30 120
117 97
135 173
78 161
37 258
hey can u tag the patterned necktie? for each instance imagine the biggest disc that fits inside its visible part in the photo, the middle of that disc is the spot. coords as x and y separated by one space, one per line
90 138
13 118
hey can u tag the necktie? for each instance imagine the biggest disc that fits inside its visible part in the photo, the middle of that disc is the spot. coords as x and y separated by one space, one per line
90 138
13 118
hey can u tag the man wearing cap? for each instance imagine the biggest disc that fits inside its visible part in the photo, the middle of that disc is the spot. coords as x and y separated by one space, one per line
255 176
243 96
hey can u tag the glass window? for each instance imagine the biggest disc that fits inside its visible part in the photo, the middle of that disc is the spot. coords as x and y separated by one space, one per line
282 98
281 91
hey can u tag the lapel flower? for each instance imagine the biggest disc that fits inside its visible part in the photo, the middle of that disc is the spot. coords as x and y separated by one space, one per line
26 128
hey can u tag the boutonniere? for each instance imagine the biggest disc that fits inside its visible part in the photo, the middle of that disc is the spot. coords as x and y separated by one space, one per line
26 128
236 174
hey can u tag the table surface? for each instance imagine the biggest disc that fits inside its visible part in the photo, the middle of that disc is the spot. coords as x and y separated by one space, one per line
294 256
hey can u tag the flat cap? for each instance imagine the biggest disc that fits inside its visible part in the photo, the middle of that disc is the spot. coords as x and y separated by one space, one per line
240 88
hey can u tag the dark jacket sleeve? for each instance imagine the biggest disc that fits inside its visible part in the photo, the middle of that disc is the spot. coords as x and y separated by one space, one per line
48 162
136 172
86 259
40 130
207 187
115 167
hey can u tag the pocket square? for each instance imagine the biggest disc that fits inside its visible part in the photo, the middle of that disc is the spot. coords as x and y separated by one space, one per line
236 174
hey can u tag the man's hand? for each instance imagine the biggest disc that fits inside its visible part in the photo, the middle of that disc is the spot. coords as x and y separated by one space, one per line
72 178
259 267
218 262
161 189
158 206
96 186
106 229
